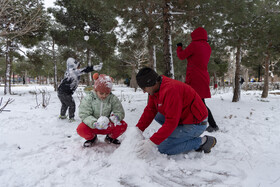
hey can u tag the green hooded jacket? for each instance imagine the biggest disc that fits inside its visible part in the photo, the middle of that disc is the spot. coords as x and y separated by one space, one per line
91 108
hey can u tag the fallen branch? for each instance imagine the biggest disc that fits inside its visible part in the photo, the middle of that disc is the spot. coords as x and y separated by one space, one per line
9 101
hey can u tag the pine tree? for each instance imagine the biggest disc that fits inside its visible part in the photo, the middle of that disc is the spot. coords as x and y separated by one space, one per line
236 32
89 27
263 43
20 22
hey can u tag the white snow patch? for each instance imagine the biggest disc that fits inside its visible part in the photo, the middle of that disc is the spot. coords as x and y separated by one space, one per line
38 149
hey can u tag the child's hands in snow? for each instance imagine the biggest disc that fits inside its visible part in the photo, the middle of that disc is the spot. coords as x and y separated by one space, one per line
115 120
102 123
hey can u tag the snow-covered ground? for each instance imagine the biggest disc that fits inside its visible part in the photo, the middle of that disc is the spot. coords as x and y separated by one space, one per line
38 149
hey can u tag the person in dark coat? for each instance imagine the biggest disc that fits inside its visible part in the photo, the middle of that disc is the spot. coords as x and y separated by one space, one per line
69 84
198 54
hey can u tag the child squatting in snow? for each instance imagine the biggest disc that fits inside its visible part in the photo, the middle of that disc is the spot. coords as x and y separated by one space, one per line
101 112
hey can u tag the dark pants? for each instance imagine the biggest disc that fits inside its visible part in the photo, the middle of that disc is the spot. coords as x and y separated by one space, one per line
67 101
211 120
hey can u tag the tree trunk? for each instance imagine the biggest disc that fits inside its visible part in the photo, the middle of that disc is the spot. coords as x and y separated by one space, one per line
259 73
171 58
151 56
223 81
55 84
133 82
7 87
89 81
266 73
246 79
236 92
150 45
167 42
154 59
215 81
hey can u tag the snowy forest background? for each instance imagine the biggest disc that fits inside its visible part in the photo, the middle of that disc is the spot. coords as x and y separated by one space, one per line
126 35
38 149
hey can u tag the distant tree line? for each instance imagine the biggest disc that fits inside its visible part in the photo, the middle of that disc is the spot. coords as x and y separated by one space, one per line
129 34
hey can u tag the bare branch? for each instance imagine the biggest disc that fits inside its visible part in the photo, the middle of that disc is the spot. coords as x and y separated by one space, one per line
46 96
9 101
18 19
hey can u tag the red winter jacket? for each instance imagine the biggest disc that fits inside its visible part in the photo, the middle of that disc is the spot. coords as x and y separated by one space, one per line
198 55
178 102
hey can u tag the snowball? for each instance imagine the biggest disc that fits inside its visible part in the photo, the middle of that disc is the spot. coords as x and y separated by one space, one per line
103 120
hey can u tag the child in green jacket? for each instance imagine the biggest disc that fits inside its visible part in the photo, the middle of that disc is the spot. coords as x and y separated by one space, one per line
101 113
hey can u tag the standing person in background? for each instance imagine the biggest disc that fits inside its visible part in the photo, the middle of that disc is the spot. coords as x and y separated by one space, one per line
198 54
69 84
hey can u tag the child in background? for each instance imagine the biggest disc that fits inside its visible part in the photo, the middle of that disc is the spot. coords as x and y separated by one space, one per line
101 113
69 84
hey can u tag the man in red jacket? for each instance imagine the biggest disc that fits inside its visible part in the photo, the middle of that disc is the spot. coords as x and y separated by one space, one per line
180 111
197 76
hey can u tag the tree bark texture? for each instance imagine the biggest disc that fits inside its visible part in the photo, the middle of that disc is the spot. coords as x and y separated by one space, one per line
54 67
7 87
133 82
89 81
167 32
236 92
266 73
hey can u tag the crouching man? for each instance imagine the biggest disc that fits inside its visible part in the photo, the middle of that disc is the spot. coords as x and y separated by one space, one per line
180 111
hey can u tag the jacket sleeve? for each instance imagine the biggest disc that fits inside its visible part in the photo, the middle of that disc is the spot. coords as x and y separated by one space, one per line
87 69
86 111
172 108
148 115
117 108
183 54
79 72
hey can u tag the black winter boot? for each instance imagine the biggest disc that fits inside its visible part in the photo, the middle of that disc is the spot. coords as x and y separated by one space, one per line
212 129
208 145
111 140
90 143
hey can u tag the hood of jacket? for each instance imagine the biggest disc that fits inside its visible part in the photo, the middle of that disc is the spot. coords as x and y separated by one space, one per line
72 64
199 34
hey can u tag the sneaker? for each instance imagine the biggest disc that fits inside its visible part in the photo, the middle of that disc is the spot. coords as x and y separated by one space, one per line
208 145
62 117
111 140
90 143
71 120
212 129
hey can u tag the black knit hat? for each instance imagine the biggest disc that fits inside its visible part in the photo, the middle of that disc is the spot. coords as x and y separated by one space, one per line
146 77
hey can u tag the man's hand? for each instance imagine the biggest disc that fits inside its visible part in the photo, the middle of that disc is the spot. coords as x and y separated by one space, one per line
139 132
146 149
